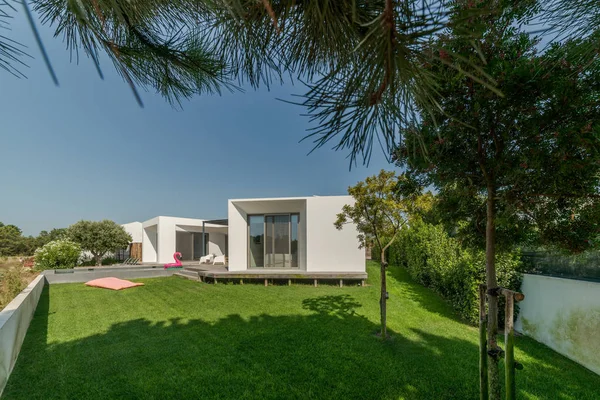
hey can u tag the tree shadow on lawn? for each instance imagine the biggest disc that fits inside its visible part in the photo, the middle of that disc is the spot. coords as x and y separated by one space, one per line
331 353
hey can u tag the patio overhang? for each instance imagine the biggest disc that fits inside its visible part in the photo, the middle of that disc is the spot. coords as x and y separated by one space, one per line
267 206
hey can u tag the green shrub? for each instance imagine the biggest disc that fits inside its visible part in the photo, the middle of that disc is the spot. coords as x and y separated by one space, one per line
90 262
57 254
437 261
109 261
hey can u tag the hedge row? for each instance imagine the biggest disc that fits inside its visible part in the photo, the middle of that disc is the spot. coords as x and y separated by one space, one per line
438 261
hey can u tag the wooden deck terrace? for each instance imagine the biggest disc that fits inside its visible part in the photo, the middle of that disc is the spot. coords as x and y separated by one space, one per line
214 273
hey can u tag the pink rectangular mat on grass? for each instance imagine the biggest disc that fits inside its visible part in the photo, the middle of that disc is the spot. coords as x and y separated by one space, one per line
112 283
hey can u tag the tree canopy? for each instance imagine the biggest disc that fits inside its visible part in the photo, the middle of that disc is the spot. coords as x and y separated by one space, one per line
11 241
379 212
521 163
99 237
536 147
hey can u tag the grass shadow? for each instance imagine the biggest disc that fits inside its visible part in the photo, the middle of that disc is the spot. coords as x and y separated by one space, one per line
327 354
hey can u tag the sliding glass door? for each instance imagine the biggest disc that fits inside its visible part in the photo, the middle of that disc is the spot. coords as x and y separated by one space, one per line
277 241
273 241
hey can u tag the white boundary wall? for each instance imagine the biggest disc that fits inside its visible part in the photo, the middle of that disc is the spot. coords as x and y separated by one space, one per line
564 314
14 321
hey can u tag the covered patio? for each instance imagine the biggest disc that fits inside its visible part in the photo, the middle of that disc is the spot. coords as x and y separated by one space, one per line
193 238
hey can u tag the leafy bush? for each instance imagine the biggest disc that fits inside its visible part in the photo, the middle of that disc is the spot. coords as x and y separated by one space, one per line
57 254
109 261
438 261
85 261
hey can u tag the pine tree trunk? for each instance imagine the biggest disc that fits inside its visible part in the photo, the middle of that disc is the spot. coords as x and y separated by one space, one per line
383 299
491 281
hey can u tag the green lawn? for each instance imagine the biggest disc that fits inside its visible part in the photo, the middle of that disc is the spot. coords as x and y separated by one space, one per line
174 338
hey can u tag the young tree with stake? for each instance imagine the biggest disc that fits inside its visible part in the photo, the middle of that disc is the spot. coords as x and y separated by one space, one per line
379 213
526 161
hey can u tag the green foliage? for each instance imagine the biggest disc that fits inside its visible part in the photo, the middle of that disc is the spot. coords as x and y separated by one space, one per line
46 237
11 241
585 265
58 254
533 151
439 262
99 237
88 262
379 210
109 261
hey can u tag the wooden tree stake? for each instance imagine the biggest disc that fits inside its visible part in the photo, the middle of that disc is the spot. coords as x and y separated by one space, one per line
509 339
483 370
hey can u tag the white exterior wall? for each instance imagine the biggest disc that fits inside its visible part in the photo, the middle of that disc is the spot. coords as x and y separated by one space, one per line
564 314
321 247
329 249
216 243
238 237
135 230
166 240
149 244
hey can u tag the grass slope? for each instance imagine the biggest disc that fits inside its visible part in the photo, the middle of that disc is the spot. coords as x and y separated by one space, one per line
174 338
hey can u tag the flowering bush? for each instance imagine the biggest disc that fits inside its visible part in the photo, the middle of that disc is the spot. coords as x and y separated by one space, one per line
57 254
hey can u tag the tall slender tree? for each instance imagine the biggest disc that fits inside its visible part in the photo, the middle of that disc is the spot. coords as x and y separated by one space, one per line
380 211
526 159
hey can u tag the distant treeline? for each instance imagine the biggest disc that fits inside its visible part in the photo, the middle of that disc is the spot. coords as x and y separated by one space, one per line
546 262
13 243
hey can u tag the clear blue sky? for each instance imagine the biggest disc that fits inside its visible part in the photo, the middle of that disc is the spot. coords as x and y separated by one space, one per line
85 150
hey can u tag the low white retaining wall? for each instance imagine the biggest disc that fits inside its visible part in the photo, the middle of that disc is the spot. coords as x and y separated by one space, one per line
14 321
564 314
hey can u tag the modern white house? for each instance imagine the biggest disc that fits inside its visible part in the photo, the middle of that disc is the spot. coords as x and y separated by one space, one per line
135 230
287 234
